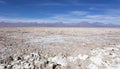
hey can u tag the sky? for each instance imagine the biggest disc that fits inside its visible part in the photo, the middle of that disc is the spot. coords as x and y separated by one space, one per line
66 11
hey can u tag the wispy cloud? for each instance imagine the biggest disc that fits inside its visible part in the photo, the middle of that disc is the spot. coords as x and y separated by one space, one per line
79 13
70 14
71 17
47 4
2 2
66 3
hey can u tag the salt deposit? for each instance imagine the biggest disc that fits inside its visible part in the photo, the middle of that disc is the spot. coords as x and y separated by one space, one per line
61 48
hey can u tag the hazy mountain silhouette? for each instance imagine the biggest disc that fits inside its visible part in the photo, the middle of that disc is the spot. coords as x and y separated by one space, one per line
58 24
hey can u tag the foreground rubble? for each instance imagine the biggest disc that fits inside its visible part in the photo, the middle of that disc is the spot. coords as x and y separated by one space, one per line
100 58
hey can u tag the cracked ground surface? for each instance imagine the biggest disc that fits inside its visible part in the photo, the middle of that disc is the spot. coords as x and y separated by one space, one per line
59 48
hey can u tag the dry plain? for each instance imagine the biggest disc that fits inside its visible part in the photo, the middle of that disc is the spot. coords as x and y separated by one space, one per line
59 48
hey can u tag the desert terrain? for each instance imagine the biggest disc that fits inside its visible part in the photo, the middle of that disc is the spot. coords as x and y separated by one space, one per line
59 48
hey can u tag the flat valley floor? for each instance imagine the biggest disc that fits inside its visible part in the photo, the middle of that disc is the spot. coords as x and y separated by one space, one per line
59 48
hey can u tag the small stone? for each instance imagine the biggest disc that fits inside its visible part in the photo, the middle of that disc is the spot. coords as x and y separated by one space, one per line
11 58
19 58
9 67
113 50
110 53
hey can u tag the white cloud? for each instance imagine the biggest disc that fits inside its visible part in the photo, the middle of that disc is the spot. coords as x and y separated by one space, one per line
72 14
79 12
71 17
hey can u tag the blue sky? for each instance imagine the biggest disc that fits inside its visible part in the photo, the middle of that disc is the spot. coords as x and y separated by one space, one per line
68 11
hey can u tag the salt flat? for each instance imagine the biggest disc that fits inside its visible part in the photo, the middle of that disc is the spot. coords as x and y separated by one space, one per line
59 48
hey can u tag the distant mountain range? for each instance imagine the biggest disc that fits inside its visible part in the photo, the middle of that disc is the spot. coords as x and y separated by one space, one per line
59 24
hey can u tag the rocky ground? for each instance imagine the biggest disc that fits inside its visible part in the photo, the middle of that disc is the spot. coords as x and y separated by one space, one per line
59 48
